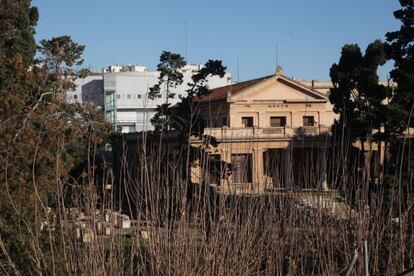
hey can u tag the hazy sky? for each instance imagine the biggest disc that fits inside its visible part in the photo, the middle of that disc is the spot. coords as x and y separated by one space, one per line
309 33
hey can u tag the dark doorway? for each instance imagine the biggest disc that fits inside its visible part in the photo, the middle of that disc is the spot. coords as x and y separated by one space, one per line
294 169
215 169
306 168
242 168
278 166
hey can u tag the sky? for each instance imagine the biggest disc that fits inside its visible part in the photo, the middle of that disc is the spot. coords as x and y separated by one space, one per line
305 37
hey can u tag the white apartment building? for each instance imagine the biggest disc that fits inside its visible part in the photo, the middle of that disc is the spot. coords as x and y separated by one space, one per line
126 102
89 89
121 91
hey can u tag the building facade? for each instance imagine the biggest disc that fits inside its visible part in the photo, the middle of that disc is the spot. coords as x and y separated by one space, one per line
270 133
88 89
121 91
127 105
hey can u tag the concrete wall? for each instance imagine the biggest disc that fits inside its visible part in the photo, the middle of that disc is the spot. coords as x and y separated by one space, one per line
277 97
294 112
89 89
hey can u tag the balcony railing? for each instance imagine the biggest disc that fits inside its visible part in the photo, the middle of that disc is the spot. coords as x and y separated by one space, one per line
268 132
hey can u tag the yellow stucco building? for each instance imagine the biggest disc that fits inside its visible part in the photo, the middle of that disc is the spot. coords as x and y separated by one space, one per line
266 134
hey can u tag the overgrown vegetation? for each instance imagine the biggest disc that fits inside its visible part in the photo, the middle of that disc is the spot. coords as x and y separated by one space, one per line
48 163
42 139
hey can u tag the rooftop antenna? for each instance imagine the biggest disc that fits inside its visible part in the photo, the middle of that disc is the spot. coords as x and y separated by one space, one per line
238 70
276 55
185 42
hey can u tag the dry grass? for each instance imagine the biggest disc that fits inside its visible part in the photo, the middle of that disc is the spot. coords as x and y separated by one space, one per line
182 229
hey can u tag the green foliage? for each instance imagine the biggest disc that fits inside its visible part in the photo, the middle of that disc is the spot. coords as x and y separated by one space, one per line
58 56
61 50
170 77
17 50
17 24
38 130
400 48
357 96
183 116
170 74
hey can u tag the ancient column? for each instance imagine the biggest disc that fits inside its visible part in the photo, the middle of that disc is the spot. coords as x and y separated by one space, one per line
322 165
287 169
259 171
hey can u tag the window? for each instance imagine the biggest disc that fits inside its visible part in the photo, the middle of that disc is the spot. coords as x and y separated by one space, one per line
75 97
308 121
247 121
224 121
109 99
278 121
118 96
129 96
138 96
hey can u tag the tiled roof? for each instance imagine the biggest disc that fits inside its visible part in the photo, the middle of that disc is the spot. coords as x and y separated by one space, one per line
220 93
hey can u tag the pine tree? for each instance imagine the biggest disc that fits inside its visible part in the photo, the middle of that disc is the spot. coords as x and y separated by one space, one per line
183 117
38 130
357 96
170 77
400 48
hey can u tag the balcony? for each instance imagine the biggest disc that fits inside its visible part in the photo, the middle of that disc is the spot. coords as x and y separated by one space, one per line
227 133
